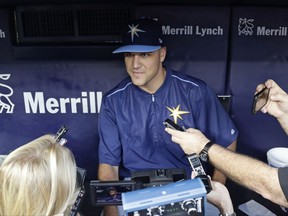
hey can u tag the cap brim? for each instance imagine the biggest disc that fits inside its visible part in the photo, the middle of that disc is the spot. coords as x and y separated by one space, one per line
136 48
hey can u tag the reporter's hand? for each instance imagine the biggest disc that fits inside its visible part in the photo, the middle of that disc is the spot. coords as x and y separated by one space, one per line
191 141
277 104
219 196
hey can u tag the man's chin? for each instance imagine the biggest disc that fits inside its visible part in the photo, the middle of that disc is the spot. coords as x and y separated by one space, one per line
138 83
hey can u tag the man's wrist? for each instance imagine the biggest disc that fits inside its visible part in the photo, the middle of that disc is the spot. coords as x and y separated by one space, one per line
201 145
283 120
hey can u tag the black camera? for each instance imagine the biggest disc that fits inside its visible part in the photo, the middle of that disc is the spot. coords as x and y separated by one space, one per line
186 197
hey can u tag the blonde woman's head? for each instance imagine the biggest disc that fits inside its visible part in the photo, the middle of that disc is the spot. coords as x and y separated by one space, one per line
38 178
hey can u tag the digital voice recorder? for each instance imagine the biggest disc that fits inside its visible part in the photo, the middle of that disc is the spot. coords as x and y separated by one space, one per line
199 171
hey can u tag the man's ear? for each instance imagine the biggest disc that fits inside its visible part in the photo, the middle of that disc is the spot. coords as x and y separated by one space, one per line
163 52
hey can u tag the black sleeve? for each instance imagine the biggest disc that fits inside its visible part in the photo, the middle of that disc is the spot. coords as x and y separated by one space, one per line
283 179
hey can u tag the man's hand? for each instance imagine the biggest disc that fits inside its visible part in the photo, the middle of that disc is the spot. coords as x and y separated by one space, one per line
191 141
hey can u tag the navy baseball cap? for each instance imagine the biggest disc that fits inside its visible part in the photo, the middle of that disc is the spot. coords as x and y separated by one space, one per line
141 35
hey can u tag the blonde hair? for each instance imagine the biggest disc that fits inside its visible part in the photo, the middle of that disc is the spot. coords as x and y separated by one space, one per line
38 178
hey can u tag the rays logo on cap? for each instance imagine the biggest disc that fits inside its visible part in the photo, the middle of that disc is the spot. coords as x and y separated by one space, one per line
134 31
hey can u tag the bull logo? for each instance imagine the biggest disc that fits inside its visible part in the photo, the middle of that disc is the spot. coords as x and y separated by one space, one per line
5 93
245 26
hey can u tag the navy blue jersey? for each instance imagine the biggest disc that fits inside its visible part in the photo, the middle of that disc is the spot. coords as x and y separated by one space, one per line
131 129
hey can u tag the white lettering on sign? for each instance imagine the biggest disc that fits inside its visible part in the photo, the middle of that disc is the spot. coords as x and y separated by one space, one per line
2 34
281 31
209 31
38 103
188 30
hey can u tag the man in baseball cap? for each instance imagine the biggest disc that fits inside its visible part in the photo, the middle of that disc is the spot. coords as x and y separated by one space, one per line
130 123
